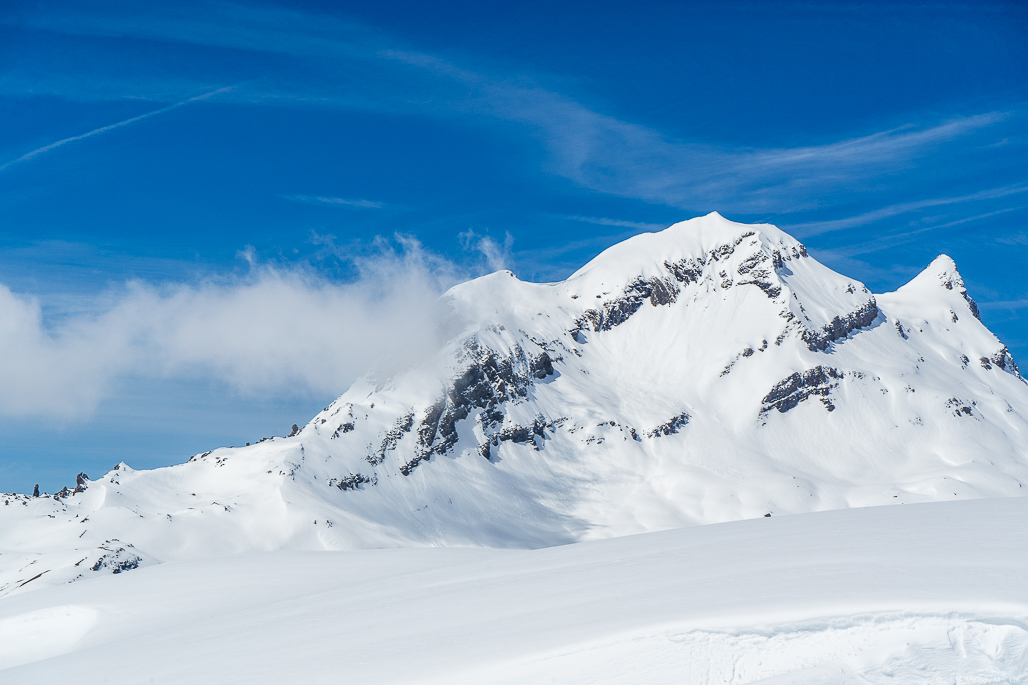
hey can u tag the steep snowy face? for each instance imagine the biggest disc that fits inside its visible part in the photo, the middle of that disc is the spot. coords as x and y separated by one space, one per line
709 372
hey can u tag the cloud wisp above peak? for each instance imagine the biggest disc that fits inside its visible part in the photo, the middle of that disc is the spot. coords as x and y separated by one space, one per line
819 227
628 160
497 255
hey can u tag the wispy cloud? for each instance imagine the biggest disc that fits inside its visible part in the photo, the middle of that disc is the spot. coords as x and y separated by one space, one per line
819 227
601 221
497 256
885 242
1019 238
1004 304
334 201
355 66
110 127
624 159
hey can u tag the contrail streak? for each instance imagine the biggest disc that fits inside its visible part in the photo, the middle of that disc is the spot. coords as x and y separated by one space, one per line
103 129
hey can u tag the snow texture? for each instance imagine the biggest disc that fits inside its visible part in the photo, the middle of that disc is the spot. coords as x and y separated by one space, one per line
925 593
707 373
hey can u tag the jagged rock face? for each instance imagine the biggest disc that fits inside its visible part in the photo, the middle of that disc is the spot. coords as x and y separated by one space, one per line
487 383
709 372
1003 360
800 386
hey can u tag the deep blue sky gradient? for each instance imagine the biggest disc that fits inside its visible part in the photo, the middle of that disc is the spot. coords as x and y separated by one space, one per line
881 135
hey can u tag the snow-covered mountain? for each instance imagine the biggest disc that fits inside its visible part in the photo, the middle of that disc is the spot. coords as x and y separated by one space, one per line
709 372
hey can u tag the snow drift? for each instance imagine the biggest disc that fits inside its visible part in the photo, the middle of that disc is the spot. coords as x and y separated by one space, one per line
928 593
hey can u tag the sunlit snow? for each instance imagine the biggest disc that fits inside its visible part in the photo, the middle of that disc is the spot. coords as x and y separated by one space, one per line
708 373
914 594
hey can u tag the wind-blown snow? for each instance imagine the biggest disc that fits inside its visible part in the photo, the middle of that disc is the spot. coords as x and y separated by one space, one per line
710 372
908 594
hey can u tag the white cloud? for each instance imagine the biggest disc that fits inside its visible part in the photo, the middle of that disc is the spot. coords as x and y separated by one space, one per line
497 256
337 201
818 227
602 221
1005 304
276 330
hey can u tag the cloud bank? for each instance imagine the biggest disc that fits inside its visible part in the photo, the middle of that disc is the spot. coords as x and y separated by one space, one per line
275 330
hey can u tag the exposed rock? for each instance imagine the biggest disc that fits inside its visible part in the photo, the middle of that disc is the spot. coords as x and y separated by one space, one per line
116 559
542 366
960 407
658 291
670 427
972 305
798 387
403 425
686 271
819 339
662 291
518 434
1004 360
758 276
343 428
352 482
488 381
953 281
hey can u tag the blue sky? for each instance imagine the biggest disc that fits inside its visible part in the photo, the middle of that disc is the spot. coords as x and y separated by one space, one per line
200 202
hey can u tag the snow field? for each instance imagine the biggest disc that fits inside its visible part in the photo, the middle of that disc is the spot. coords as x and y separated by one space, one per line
922 593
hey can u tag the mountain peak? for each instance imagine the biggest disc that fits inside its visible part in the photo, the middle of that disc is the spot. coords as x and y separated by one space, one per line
708 372
941 272
693 238
944 269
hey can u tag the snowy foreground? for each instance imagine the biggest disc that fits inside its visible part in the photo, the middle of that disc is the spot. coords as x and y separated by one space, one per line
922 593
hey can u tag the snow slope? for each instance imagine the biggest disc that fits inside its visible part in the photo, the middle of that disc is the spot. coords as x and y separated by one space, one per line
925 593
709 372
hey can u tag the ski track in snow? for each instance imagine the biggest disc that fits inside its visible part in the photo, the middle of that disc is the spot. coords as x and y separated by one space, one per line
928 593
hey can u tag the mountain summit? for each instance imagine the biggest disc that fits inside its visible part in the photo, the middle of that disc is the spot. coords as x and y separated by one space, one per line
709 372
